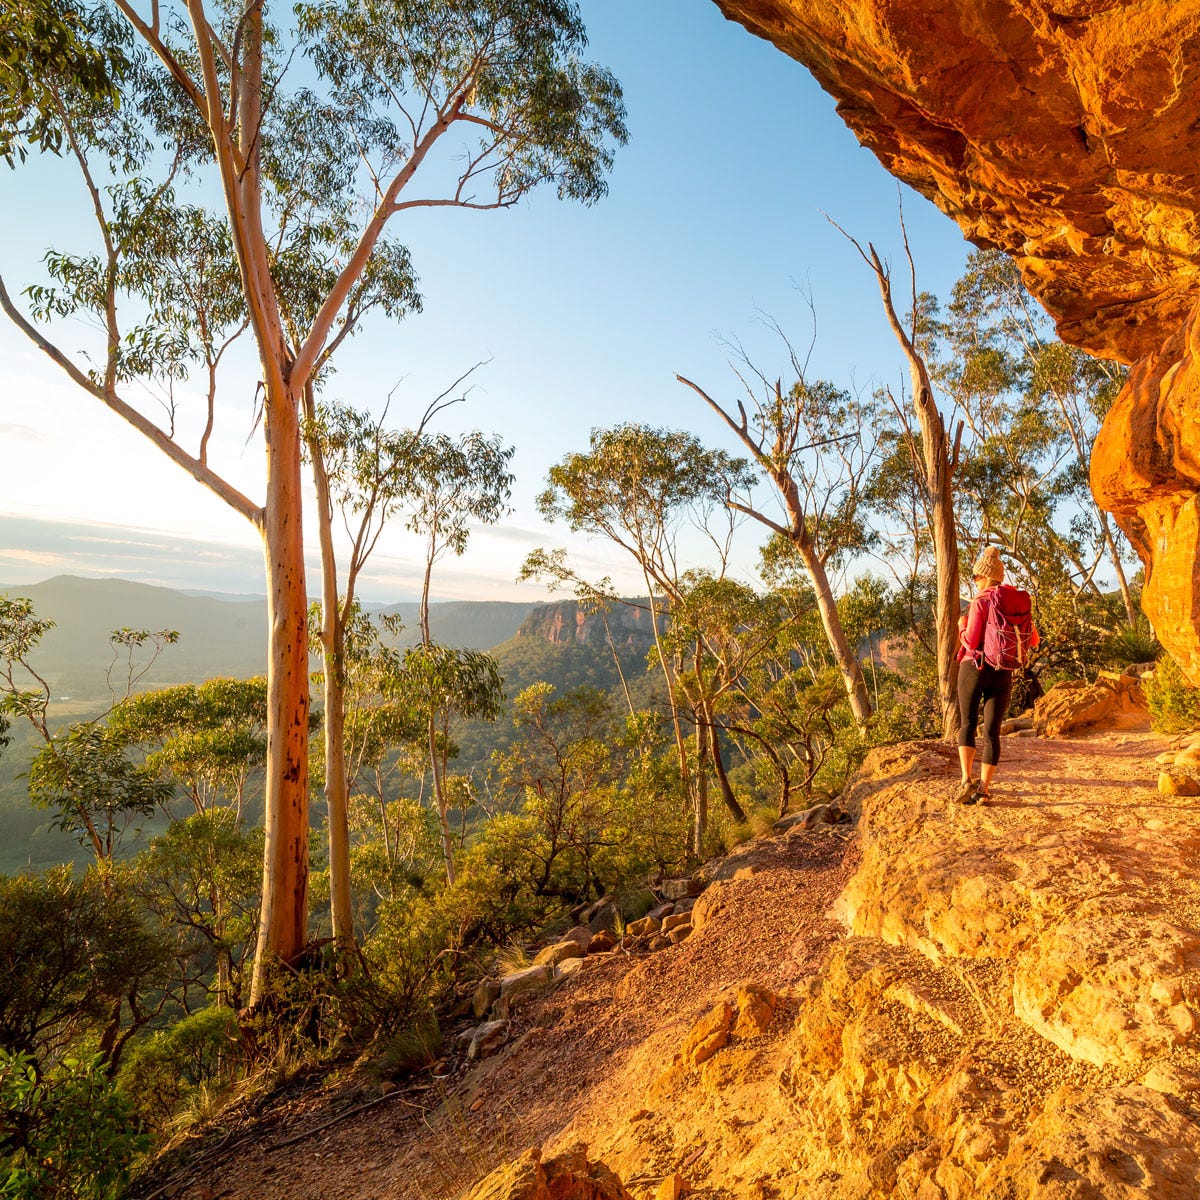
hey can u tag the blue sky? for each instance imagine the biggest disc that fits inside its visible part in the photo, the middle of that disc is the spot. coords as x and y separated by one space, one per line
714 218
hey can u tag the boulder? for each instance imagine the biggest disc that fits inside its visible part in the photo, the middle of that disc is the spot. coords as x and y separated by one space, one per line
580 933
677 889
708 906
674 1187
674 922
678 934
561 951
1075 704
1175 783
602 915
486 994
488 1038
567 968
645 925
520 984
602 942
566 1176
755 1010
708 1035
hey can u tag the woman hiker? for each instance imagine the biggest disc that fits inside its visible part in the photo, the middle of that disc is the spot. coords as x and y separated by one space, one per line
981 685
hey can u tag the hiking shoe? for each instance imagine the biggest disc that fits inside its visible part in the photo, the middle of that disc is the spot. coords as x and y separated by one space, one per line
979 797
966 792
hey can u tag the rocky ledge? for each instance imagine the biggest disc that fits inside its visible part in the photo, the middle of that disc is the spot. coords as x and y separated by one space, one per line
1011 1013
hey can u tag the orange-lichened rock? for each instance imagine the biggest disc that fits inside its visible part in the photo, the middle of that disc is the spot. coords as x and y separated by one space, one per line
1064 134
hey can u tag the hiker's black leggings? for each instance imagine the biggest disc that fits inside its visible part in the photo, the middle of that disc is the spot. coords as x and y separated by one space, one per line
987 686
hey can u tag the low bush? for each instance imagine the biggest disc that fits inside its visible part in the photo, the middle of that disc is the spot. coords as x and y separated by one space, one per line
68 1133
1174 704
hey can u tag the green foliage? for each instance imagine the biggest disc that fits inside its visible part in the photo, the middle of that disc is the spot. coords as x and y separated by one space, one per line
1134 644
636 484
70 949
201 1053
208 738
908 705
94 790
201 880
410 960
1174 703
45 46
24 693
65 1133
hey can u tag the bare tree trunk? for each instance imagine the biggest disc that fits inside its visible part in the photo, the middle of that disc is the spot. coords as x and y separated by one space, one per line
1111 544
439 796
617 661
835 635
685 775
938 476
731 801
333 648
937 470
779 470
700 797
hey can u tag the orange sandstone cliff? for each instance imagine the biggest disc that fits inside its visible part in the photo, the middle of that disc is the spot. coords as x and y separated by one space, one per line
1066 133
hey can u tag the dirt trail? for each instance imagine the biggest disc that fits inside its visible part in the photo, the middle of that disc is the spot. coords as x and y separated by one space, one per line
581 1057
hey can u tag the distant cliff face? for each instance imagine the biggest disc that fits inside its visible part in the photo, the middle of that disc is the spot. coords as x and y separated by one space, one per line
567 621
1065 133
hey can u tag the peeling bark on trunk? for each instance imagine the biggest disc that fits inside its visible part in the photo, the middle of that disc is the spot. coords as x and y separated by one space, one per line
283 920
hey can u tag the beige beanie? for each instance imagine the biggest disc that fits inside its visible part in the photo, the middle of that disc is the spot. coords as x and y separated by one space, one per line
989 566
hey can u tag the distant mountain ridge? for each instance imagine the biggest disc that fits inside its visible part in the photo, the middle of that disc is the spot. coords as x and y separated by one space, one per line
217 636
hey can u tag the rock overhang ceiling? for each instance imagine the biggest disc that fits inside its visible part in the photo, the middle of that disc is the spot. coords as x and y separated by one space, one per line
1063 132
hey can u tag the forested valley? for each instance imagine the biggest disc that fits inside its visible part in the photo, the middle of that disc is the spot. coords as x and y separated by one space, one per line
220 874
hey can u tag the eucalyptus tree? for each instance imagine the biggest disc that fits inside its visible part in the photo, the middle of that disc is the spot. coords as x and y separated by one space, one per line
82 771
813 443
318 125
562 769
365 717
209 739
640 488
369 474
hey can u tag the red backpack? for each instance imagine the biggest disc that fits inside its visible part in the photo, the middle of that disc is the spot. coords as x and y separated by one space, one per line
1009 628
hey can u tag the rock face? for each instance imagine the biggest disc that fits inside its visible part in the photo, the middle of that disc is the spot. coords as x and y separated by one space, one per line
1062 132
1146 470
566 621
1057 130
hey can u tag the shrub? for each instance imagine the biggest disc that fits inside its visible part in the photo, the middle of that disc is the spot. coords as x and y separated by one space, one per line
73 1132
1134 645
1174 703
69 951
164 1071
